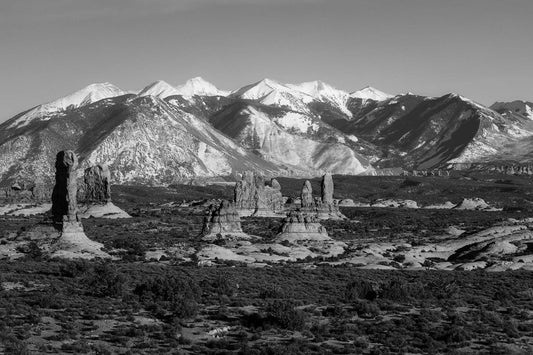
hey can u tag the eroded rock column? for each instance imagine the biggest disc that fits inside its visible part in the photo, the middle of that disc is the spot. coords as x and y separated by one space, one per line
64 201
96 185
307 195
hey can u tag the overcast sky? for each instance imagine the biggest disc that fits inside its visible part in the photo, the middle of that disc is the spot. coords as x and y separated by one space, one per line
478 48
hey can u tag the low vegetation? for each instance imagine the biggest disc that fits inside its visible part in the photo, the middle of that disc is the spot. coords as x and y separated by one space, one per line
134 305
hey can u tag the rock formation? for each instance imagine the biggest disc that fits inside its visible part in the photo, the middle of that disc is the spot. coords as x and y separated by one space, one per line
303 230
222 221
327 189
301 226
306 195
254 198
96 186
326 207
63 236
94 194
72 240
25 192
64 195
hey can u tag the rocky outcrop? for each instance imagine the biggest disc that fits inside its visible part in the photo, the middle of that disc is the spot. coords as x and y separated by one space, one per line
60 234
72 241
299 226
25 192
253 197
324 208
96 185
327 189
94 194
304 230
222 222
64 195
306 196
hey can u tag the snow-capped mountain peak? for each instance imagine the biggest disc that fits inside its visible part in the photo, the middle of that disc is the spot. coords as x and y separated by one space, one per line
192 87
199 86
159 88
317 89
89 94
260 89
271 92
370 93
85 96
322 91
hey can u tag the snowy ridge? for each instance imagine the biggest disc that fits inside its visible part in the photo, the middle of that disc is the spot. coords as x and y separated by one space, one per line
370 93
523 108
324 92
192 87
87 95
159 89
270 92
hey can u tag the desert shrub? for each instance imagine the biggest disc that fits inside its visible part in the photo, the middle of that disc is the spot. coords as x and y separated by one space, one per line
133 249
73 268
400 258
12 345
222 285
278 313
335 311
360 289
169 294
511 330
284 314
104 280
455 334
33 251
365 309
78 347
49 299
400 290
272 292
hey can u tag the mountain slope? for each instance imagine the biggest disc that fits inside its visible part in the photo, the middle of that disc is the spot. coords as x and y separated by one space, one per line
87 95
165 134
142 139
518 107
293 140
422 132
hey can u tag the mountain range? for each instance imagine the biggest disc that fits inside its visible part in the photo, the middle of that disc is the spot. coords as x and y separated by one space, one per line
164 134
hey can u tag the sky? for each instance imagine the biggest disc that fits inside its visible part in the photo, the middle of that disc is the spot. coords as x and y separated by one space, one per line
482 49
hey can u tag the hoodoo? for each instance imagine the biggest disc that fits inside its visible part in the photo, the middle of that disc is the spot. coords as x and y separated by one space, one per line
323 208
94 194
222 221
72 240
253 197
63 235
